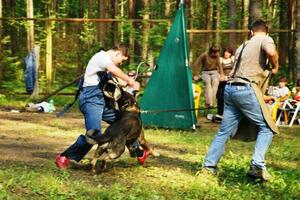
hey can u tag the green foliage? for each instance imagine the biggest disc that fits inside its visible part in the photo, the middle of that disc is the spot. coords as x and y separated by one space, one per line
13 75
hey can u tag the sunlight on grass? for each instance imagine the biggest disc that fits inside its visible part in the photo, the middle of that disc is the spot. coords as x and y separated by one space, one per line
176 174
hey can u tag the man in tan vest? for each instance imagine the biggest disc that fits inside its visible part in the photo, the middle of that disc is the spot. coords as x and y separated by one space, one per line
243 99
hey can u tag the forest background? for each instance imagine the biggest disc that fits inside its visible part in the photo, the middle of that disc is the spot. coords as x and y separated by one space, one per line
69 32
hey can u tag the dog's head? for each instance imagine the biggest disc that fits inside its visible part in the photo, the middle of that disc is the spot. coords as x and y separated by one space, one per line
127 102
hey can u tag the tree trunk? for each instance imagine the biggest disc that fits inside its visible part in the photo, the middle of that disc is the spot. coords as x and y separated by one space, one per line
245 12
30 42
121 24
1 67
146 28
270 12
13 33
255 9
90 9
232 23
137 45
90 15
297 42
216 21
293 18
292 35
49 55
131 15
30 23
283 37
114 13
80 66
193 7
102 25
208 22
167 8
1 15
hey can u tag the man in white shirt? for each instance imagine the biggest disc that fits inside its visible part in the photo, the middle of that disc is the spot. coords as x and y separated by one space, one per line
92 102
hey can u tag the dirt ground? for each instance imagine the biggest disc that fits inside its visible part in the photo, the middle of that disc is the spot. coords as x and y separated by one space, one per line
25 138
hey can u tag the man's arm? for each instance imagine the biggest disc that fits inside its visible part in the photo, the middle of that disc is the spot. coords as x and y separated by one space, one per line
272 55
274 62
197 67
116 71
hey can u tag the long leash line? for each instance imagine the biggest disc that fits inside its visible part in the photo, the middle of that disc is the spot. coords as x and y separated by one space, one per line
173 110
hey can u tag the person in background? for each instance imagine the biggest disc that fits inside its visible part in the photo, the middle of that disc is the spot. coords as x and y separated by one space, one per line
276 96
296 91
281 91
226 61
92 103
209 64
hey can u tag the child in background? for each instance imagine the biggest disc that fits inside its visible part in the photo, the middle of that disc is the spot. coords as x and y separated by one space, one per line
280 92
278 95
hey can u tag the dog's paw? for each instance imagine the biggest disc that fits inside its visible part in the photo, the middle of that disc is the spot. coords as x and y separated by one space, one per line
90 136
99 167
154 153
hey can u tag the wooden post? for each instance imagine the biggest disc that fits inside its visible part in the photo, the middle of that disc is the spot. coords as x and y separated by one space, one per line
146 29
49 54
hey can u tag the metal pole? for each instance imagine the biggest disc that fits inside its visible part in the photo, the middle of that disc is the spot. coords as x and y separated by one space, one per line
186 59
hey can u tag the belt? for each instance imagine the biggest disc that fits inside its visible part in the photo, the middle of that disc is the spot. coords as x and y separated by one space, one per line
238 84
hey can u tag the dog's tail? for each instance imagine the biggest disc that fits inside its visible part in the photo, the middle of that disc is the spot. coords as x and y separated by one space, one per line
92 136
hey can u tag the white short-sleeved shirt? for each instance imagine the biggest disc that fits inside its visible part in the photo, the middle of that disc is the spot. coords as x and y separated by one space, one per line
97 63
281 92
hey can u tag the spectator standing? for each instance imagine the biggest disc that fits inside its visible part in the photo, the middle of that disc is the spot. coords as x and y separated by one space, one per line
226 61
208 63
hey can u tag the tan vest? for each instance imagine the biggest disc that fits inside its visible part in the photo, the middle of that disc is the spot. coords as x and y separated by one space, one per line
246 130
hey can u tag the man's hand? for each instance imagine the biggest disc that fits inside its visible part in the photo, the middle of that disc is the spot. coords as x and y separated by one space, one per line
196 78
275 70
136 86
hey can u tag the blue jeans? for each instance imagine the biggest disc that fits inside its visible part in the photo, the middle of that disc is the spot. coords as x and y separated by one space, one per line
92 105
240 101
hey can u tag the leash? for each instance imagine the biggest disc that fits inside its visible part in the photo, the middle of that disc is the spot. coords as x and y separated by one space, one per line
173 110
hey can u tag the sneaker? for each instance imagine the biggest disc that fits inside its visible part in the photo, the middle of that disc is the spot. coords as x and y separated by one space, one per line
259 173
210 116
219 117
62 162
143 158
210 170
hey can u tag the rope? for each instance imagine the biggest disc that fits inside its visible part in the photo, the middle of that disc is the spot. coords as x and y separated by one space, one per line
173 110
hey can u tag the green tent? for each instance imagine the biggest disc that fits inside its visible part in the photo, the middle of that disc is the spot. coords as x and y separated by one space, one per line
170 86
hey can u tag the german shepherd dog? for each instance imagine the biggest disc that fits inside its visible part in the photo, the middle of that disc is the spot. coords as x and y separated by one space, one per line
126 130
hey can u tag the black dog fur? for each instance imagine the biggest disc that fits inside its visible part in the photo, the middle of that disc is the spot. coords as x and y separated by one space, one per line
122 133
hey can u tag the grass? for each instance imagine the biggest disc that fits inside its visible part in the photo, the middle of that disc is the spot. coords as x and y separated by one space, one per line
173 175
29 142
